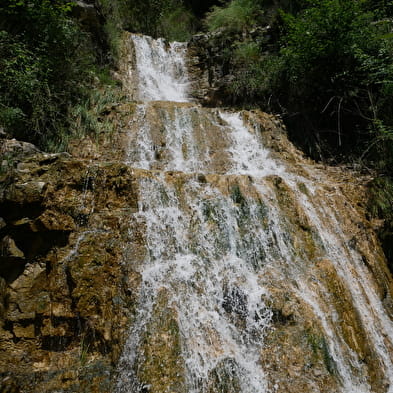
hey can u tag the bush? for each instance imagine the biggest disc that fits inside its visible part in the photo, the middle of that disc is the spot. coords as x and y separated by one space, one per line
45 62
48 62
331 75
338 74
236 16
169 19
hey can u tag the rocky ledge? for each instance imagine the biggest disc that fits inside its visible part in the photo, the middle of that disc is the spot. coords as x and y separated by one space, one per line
66 298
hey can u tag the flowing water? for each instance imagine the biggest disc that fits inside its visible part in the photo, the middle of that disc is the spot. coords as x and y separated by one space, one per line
226 226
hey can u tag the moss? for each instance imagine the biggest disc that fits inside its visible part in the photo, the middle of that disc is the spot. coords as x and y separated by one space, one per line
208 210
223 378
159 363
237 196
263 214
320 350
303 238
303 188
349 321
251 249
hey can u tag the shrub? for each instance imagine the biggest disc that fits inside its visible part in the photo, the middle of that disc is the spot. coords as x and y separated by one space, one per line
236 16
331 75
45 62
338 73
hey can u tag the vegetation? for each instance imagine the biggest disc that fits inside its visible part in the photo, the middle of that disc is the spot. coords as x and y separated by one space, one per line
328 70
53 68
45 62
236 16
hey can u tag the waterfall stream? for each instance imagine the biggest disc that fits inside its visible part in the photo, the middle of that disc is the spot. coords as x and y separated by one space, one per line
227 227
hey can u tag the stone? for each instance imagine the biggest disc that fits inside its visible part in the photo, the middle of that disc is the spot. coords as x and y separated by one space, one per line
10 249
48 329
29 192
24 331
53 221
14 147
161 365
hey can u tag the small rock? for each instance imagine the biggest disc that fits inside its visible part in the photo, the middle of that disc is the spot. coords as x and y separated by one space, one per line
10 249
22 221
24 332
18 147
53 221
317 372
29 192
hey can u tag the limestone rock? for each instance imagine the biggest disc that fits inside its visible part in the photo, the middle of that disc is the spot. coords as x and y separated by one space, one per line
10 249
14 147
29 192
64 304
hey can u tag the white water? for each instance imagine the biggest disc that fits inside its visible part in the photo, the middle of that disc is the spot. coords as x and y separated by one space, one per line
182 150
208 247
200 269
161 69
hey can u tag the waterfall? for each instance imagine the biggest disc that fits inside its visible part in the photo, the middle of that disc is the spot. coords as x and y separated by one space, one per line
161 71
244 250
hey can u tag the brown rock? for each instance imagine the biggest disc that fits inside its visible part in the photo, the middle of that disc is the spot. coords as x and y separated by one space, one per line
10 249
24 331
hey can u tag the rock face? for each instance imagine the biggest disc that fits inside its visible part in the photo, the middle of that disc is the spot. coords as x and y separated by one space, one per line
66 297
211 70
194 251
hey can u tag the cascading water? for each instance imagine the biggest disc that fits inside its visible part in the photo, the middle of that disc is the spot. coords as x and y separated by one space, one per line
227 230
161 70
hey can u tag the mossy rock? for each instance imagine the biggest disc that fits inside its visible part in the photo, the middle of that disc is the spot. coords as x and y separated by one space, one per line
224 378
159 365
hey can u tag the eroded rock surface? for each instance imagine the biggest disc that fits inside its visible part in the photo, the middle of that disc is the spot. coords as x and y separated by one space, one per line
66 295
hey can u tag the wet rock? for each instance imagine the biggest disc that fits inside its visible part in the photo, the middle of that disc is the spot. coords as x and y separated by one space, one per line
56 292
161 366
224 378
53 221
8 385
25 193
235 301
12 259
21 331
3 294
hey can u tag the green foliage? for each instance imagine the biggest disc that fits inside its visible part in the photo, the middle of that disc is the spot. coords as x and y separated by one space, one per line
45 61
338 72
89 116
381 192
256 75
170 19
331 75
48 62
236 16
177 24
380 206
